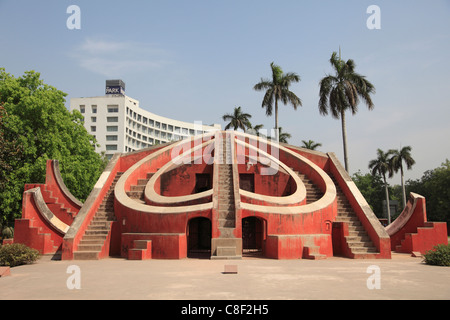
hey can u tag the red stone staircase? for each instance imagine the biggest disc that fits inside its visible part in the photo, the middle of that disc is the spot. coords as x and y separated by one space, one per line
93 241
227 244
358 240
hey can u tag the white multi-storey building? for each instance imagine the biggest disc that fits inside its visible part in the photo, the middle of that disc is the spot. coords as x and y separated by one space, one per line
120 125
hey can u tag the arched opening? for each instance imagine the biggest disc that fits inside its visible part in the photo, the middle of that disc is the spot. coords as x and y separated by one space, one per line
253 236
199 238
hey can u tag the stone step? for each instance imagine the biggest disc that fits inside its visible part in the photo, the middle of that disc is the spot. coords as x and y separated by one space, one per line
139 188
85 255
357 250
90 247
96 232
226 232
355 244
226 223
226 251
228 215
94 237
353 233
97 228
92 241
142 182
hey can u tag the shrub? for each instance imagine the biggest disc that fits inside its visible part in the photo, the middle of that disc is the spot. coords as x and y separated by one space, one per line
7 233
16 254
438 256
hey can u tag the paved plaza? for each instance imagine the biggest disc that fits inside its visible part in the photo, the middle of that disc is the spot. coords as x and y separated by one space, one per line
402 277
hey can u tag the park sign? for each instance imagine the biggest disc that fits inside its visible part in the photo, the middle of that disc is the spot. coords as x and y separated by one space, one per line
114 87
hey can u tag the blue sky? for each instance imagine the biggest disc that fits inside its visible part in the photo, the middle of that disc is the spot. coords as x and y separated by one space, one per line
196 60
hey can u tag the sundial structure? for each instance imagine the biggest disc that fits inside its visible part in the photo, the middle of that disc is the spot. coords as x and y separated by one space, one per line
220 195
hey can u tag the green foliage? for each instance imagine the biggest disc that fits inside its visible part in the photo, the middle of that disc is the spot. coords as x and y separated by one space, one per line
16 254
6 233
39 127
438 256
372 188
435 187
310 144
277 89
238 119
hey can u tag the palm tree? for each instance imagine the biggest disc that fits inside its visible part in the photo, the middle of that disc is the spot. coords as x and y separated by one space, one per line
238 120
342 91
382 166
255 129
310 144
280 136
277 89
398 157
283 136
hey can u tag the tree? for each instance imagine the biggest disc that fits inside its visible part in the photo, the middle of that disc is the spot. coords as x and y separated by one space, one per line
283 136
342 92
40 125
434 185
277 89
255 129
310 144
10 150
371 187
398 158
382 166
238 119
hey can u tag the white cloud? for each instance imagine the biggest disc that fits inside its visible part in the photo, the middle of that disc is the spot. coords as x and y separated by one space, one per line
112 58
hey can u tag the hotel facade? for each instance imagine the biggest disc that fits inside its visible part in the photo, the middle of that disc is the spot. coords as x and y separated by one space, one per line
120 125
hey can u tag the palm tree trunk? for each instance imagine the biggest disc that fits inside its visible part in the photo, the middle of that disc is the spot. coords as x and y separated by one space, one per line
344 139
387 200
403 186
276 120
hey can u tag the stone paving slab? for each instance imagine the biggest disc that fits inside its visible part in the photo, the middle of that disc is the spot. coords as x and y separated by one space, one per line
402 277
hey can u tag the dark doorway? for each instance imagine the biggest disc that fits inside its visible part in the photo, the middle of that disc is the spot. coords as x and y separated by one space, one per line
202 182
252 236
247 182
199 238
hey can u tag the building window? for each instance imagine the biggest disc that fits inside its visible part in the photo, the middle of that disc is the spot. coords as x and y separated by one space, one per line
94 109
170 128
93 119
93 128
164 126
111 138
144 120
112 119
82 109
112 128
113 109
111 147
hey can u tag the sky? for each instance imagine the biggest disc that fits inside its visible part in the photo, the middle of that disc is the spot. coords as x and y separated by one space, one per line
199 59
